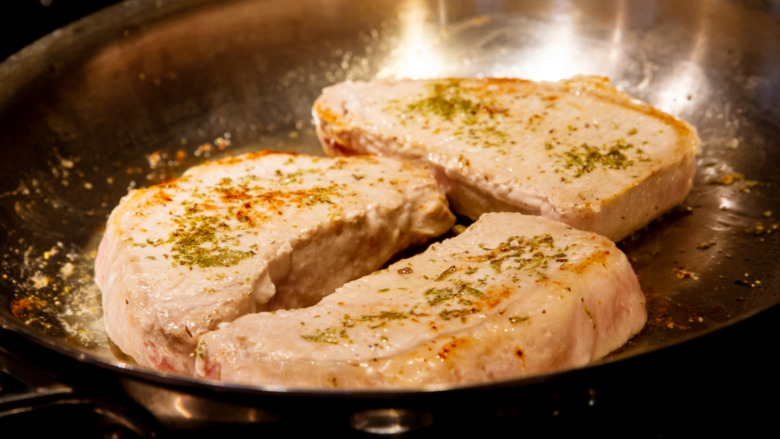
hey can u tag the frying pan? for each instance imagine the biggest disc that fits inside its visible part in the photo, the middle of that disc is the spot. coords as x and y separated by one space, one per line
136 93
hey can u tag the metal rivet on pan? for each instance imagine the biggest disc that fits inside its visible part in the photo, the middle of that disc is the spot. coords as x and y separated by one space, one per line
390 421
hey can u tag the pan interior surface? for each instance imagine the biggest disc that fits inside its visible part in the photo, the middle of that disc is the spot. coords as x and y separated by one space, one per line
141 91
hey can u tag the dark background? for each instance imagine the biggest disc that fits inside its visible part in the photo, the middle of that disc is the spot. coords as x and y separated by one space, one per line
25 21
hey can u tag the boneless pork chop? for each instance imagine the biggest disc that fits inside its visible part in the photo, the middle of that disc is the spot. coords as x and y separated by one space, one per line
577 151
257 232
514 295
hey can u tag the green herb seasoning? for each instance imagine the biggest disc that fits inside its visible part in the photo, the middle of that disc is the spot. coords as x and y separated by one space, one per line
456 293
460 291
328 336
334 335
208 231
460 313
523 253
196 243
449 108
518 319
446 106
446 273
584 159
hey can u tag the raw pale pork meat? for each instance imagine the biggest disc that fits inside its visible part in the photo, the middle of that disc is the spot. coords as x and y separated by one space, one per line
577 151
512 296
256 232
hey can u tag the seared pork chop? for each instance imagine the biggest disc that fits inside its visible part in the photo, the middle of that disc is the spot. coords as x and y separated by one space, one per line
577 151
512 296
256 232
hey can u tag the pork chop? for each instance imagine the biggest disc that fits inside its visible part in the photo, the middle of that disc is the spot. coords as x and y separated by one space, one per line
261 231
577 151
514 295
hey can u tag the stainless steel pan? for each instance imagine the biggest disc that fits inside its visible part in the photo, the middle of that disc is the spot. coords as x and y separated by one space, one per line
138 92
